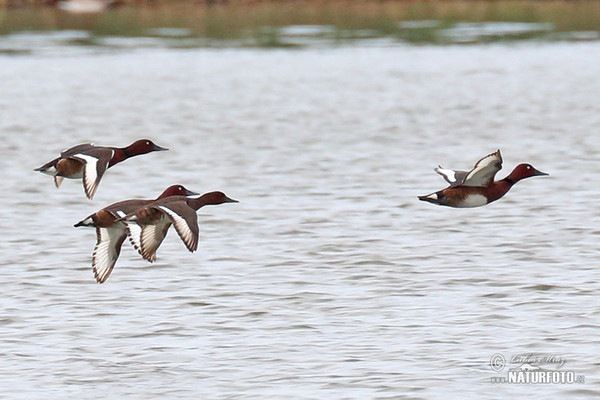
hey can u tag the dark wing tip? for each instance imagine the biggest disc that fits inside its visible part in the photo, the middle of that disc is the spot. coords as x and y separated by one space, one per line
499 155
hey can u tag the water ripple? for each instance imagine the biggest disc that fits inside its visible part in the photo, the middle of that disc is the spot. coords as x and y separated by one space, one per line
329 279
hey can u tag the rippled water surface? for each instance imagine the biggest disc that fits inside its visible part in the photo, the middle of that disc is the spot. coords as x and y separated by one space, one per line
329 279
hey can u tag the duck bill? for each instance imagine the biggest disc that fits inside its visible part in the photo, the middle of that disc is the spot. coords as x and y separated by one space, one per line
231 200
190 193
540 173
158 148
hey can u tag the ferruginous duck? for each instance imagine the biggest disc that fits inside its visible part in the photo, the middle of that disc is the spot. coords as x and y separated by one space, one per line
476 187
89 162
148 226
110 232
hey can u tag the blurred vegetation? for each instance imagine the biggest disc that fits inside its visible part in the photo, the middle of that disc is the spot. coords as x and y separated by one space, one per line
260 23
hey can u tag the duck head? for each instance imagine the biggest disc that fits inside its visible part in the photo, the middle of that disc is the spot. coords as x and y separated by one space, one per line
523 171
176 190
214 198
143 146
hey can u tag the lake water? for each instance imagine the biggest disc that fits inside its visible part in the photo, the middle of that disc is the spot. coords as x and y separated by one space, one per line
329 279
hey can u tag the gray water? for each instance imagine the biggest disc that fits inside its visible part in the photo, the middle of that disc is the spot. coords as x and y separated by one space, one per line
329 279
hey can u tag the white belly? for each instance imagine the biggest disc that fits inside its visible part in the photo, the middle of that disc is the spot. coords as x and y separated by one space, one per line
473 200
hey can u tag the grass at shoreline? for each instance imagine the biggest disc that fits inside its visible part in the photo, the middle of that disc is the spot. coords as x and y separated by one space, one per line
263 23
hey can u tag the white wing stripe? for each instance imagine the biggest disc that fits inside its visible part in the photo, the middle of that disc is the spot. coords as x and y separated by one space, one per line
150 239
484 171
105 253
182 228
90 176
448 174
147 238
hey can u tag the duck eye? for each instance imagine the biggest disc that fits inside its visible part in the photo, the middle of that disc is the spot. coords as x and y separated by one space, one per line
147 143
529 167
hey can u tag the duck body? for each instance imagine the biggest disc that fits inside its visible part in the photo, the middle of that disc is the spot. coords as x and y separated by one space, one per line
111 233
468 196
89 162
477 187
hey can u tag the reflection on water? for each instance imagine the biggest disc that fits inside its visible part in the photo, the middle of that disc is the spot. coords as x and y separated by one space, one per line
473 32
298 36
329 279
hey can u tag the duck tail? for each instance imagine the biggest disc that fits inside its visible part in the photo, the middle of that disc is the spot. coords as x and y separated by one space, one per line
89 221
49 168
431 198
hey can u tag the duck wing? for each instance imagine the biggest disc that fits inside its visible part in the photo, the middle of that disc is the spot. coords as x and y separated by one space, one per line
454 178
80 148
484 171
185 220
95 161
106 251
148 226
147 238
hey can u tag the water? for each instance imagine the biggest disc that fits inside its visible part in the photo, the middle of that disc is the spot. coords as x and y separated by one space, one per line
329 279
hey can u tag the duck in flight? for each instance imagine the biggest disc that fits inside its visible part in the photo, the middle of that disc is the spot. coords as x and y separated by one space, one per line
148 226
477 187
89 162
110 232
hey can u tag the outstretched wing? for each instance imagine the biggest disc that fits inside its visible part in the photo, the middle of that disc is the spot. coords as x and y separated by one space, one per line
482 174
107 250
148 226
95 164
454 178
134 231
147 238
185 220
484 171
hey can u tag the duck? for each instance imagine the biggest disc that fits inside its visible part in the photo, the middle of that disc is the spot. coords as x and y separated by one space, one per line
476 188
110 232
89 162
148 225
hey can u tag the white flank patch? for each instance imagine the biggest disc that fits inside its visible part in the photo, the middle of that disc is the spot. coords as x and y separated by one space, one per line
474 200
183 229
106 252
